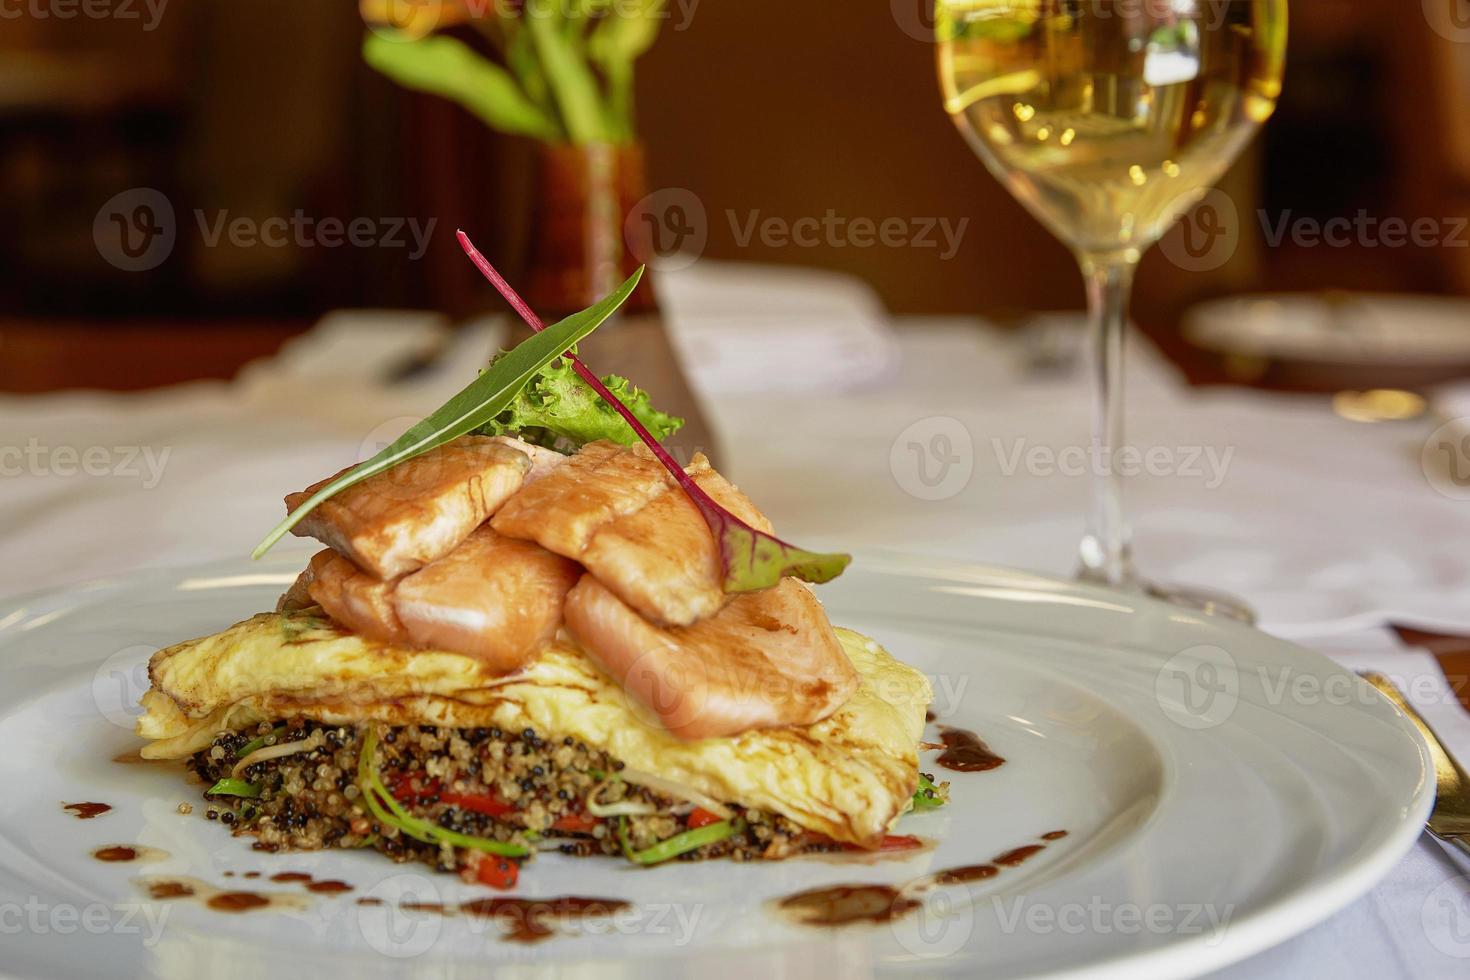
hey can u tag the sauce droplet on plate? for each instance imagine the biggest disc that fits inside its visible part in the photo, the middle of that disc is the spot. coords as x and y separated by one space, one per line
1014 857
845 904
237 902
964 752
286 876
116 852
218 899
170 889
86 811
331 887
957 876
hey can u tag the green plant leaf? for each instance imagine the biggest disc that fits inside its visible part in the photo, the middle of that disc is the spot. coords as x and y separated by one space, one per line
614 45
627 35
557 409
570 79
449 68
520 56
483 399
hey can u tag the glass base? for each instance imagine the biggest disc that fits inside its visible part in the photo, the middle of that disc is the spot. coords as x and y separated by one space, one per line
1207 601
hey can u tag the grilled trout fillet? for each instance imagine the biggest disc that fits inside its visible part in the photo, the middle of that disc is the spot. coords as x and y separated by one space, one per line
617 511
848 776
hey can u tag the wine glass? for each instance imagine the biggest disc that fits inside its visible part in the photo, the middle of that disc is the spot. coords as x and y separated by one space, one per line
1108 119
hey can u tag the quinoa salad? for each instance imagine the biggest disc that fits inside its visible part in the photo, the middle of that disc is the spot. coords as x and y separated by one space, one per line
505 794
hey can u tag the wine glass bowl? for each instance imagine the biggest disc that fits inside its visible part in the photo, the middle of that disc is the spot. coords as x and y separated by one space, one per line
1108 120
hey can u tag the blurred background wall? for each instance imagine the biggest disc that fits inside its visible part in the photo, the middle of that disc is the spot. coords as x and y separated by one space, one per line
761 108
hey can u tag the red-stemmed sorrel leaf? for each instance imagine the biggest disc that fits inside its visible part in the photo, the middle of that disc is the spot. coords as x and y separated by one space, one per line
752 559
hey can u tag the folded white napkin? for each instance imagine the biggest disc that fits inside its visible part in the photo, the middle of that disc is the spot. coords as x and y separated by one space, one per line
750 329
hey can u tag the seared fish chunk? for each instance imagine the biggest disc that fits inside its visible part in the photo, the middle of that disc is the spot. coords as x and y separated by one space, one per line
416 512
543 460
494 598
619 513
767 659
297 597
355 599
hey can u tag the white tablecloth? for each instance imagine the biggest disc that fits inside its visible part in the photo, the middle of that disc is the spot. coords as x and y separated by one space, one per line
937 438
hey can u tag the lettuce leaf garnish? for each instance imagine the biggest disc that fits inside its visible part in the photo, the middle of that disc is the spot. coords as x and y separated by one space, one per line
559 410
752 559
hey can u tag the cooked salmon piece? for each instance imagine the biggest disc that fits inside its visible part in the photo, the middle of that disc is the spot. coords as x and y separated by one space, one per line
767 659
418 511
493 597
297 596
543 461
564 509
662 559
355 599
617 511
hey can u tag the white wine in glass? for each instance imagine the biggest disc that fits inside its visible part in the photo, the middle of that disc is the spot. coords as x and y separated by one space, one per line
1108 119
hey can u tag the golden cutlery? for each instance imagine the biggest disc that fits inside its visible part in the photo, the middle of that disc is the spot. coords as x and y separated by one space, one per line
1449 821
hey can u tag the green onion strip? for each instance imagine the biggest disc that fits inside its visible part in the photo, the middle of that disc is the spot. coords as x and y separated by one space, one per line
689 840
376 795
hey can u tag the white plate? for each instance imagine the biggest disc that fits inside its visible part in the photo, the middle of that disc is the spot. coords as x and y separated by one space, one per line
1222 791
1354 329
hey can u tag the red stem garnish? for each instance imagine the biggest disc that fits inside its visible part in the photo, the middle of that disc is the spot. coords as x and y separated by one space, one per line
752 559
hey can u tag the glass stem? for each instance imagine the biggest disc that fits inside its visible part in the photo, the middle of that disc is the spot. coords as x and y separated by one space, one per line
1106 549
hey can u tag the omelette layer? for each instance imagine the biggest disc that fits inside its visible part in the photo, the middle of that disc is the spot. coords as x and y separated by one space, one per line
848 776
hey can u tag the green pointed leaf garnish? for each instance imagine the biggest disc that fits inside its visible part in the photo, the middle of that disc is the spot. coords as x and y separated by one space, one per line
480 401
